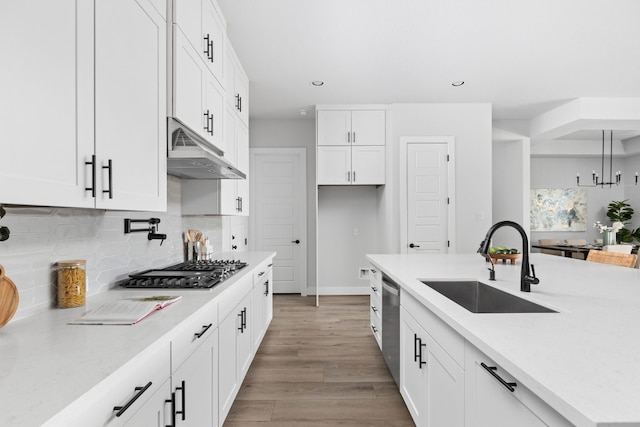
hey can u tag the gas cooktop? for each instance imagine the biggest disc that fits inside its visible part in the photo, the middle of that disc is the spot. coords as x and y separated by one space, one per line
185 275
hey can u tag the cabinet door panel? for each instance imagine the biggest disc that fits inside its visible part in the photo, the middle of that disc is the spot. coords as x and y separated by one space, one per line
368 127
215 107
44 154
446 388
368 165
156 412
228 383
334 127
413 377
188 81
213 28
334 165
130 90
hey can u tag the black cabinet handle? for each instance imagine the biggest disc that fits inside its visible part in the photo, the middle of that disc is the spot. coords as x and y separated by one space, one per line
209 50
374 329
93 175
297 241
411 245
244 318
121 409
491 370
234 247
261 273
417 350
266 285
206 118
205 328
374 308
109 168
182 389
240 315
374 289
238 102
173 409
210 120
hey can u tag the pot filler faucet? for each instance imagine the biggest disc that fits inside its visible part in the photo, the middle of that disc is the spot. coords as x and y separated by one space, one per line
526 277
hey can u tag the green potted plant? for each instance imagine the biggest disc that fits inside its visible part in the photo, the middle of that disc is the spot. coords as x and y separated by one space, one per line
621 211
4 231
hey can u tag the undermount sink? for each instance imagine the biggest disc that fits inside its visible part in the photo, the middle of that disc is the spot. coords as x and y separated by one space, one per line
480 298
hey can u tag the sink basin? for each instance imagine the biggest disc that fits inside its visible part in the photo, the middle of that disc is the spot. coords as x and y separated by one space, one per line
480 298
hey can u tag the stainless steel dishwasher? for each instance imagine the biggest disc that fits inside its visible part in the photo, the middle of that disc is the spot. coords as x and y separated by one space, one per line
391 326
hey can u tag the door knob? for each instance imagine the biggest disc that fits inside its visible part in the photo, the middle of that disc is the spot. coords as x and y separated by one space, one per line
297 241
411 245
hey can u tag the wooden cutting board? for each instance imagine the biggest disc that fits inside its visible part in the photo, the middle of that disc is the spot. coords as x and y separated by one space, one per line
8 298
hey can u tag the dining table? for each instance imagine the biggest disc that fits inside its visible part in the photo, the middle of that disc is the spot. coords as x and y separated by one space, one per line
569 250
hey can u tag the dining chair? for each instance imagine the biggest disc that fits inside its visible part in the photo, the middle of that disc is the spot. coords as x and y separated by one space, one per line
622 249
613 258
551 242
576 242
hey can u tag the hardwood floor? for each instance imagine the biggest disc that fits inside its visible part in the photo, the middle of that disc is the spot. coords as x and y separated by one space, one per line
319 367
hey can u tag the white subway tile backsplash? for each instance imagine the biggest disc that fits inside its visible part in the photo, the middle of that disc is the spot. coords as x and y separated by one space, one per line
41 236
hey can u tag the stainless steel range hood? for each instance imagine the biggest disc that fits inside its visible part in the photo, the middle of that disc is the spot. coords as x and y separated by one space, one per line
191 156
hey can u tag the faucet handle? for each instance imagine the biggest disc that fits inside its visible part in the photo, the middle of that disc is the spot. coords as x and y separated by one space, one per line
533 279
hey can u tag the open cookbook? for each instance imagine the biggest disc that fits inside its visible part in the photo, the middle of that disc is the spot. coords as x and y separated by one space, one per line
125 311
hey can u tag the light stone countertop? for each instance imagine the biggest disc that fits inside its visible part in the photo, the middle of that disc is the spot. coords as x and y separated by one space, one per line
46 364
583 361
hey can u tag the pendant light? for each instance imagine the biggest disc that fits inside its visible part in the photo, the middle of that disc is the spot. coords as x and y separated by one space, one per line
598 181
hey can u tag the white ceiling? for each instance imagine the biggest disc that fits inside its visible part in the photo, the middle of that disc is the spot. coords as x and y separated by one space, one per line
524 57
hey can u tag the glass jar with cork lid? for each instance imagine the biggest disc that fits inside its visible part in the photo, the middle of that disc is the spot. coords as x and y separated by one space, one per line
72 283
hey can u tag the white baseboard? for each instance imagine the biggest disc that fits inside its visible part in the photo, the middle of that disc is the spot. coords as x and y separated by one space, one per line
343 290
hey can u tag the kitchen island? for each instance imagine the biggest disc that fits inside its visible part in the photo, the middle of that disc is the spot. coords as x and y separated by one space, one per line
56 374
583 361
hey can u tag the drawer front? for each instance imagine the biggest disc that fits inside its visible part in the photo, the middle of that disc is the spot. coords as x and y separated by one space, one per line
443 334
232 296
262 271
130 386
194 331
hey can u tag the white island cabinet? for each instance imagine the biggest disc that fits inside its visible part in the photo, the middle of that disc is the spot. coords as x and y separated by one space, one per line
526 369
165 370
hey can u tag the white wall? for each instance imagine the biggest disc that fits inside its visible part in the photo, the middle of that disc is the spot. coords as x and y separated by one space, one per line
299 133
471 126
510 189
347 231
560 172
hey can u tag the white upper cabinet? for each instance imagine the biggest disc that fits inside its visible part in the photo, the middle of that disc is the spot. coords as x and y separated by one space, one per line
351 147
198 99
237 86
46 117
356 127
204 28
130 106
84 135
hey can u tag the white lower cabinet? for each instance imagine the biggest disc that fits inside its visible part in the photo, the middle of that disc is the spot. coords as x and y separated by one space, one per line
495 398
235 344
194 377
262 302
431 382
375 305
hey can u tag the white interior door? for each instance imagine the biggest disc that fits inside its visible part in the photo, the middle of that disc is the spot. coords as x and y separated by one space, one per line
427 198
278 219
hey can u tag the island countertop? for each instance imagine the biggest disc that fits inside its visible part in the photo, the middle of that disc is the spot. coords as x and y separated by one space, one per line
584 361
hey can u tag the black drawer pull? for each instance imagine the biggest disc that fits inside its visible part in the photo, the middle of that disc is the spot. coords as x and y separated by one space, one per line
93 175
374 308
491 370
261 273
374 329
109 169
205 328
374 289
140 390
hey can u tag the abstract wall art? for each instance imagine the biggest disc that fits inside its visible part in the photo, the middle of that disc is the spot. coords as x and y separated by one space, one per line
558 209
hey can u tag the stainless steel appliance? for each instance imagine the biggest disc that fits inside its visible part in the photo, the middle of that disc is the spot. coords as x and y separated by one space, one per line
391 326
185 275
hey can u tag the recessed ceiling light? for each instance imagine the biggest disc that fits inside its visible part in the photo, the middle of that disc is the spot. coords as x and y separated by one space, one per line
457 83
317 83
